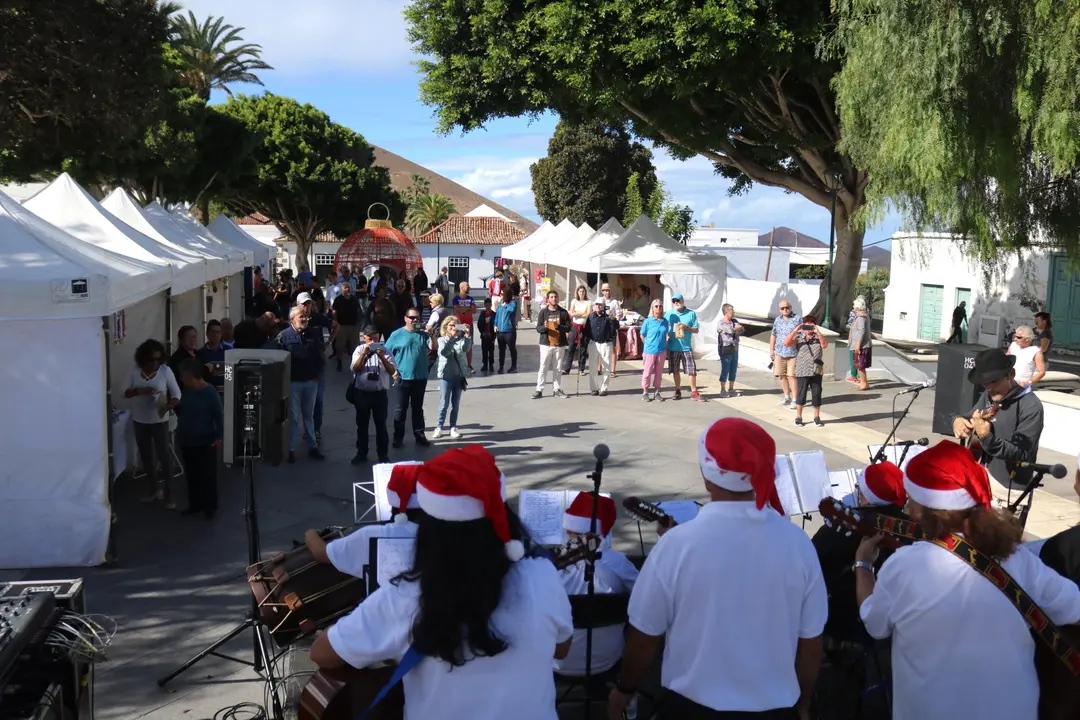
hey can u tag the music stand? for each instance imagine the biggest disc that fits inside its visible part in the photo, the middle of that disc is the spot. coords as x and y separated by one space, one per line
373 559
1027 494
262 658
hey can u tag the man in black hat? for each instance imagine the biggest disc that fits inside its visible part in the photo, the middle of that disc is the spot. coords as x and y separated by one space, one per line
1010 433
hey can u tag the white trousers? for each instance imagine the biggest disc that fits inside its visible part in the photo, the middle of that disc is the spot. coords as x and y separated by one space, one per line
603 351
550 359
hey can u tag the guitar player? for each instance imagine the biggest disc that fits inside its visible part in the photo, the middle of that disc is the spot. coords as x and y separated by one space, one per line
1011 435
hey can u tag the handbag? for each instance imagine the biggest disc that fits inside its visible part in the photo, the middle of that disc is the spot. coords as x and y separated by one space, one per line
351 391
819 364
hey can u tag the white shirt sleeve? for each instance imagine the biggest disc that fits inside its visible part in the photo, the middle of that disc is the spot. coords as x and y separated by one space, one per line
551 597
377 630
350 553
651 603
876 611
170 383
1058 596
815 605
619 565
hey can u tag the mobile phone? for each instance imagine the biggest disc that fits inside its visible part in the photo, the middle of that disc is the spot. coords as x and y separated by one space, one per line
807 327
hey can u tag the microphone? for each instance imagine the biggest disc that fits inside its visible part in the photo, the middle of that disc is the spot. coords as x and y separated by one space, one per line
908 443
1056 470
601 452
916 388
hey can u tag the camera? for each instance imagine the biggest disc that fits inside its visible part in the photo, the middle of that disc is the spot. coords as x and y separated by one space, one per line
807 327
372 375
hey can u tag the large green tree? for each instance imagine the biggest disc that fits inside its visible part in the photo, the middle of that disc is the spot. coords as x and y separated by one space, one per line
741 84
967 115
214 53
310 175
584 176
76 78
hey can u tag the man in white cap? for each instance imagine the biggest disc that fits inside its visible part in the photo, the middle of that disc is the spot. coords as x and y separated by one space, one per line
599 334
484 622
318 320
351 554
613 573
961 647
738 593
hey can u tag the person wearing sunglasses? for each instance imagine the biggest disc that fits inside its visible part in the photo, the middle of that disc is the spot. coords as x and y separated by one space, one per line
409 347
782 357
153 390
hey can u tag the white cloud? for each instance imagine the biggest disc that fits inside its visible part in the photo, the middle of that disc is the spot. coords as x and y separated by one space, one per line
314 37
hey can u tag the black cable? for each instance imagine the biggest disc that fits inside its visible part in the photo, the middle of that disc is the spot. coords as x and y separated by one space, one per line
241 711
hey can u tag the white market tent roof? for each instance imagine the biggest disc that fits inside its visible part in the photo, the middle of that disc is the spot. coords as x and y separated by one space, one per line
584 257
192 269
487 211
237 258
561 232
610 229
228 232
47 273
645 249
518 250
551 252
163 223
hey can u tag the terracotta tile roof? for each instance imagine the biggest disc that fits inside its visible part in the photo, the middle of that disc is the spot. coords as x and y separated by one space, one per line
252 219
460 230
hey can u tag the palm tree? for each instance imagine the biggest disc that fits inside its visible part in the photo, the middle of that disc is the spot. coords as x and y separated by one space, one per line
428 211
211 62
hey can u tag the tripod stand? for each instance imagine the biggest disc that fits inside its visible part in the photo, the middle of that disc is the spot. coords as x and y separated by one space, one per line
262 657
1029 495
880 455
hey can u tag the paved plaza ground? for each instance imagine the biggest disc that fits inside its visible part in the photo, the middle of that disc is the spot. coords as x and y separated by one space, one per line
180 581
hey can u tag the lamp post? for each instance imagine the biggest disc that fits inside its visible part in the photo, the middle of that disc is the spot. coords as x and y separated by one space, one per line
832 181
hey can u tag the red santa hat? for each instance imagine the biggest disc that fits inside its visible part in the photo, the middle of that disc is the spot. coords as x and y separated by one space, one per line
465 484
883 484
946 477
739 456
578 517
401 490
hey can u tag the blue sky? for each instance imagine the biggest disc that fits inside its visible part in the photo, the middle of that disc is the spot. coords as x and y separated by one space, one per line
353 61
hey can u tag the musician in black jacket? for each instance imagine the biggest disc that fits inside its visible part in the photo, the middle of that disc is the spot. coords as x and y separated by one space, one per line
1012 434
553 325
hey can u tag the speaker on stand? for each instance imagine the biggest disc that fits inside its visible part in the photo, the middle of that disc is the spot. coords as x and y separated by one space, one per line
954 394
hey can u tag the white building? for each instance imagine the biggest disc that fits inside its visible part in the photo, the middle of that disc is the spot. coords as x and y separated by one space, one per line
469 246
929 276
710 237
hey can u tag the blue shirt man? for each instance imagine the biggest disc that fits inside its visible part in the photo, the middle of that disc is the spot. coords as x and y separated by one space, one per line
681 349
409 347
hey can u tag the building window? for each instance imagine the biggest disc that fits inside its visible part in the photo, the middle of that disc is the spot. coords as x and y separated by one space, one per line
457 270
457 262
324 259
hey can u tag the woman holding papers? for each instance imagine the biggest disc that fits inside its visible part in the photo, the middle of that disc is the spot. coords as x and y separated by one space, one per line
473 624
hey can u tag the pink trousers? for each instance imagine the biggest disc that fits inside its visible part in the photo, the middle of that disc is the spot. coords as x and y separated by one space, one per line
652 370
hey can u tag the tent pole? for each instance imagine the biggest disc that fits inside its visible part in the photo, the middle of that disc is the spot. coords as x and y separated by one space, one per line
768 261
228 306
168 321
111 556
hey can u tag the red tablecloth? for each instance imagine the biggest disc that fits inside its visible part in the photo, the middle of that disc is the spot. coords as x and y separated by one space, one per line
629 343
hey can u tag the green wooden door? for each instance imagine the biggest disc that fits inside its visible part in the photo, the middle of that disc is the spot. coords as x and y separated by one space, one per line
931 302
1064 304
963 295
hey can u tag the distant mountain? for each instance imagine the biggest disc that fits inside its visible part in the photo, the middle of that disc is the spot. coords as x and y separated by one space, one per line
877 257
788 238
464 199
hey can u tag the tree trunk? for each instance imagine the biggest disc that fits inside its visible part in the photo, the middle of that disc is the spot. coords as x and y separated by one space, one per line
847 259
303 250
202 210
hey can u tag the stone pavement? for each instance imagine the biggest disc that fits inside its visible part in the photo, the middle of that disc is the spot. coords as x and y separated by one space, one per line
180 582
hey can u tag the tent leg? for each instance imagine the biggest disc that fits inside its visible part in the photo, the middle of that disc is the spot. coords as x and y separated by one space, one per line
225 284
111 553
168 322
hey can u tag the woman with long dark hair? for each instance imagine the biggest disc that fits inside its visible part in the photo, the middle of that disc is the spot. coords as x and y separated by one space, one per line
154 392
486 622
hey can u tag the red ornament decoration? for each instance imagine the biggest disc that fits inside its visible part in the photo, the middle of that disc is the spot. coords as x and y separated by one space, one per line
379 243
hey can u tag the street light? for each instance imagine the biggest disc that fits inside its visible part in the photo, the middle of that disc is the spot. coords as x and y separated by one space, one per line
833 183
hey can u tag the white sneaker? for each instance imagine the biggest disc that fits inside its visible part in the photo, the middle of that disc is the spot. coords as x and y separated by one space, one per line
437 434
454 434
784 401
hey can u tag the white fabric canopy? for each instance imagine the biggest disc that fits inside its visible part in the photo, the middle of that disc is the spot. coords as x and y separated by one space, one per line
228 232
47 273
559 234
584 258
216 265
164 229
551 252
238 258
517 250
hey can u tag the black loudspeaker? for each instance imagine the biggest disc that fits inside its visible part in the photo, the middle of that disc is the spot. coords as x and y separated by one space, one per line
256 405
954 394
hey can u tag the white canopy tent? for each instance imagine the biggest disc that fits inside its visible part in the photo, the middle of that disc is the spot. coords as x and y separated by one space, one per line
187 303
518 250
232 304
572 256
59 296
551 252
228 232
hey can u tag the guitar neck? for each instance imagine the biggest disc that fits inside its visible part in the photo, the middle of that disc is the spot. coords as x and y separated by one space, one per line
648 512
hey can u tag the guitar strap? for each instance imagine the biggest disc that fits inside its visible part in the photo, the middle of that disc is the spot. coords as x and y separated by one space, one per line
1040 624
898 527
412 659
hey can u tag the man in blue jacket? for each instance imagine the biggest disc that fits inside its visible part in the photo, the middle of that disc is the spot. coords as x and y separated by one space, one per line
305 344
409 346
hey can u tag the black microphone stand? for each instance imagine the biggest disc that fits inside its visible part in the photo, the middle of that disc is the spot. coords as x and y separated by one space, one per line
880 455
601 453
1027 494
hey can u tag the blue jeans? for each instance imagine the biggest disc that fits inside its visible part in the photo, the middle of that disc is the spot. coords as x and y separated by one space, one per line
302 411
728 365
449 394
316 414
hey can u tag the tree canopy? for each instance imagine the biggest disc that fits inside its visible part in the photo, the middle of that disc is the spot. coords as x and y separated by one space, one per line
428 211
214 54
584 176
967 116
83 77
309 175
741 84
676 220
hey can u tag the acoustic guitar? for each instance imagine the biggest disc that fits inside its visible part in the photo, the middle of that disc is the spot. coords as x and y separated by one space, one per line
648 512
344 693
860 521
972 442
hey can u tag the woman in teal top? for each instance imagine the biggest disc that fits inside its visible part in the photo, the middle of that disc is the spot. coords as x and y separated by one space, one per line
454 345
654 338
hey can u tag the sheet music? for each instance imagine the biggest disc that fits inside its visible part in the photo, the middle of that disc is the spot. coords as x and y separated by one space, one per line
785 486
842 484
681 511
811 478
893 453
395 557
541 512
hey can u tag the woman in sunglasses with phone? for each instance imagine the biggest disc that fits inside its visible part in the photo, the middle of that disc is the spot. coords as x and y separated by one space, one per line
809 367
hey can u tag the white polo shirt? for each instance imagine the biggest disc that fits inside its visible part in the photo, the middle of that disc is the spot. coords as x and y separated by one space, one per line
533 617
350 554
614 574
960 648
734 591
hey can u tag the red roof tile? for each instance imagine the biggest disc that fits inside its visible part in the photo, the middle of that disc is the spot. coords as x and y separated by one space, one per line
252 219
461 230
